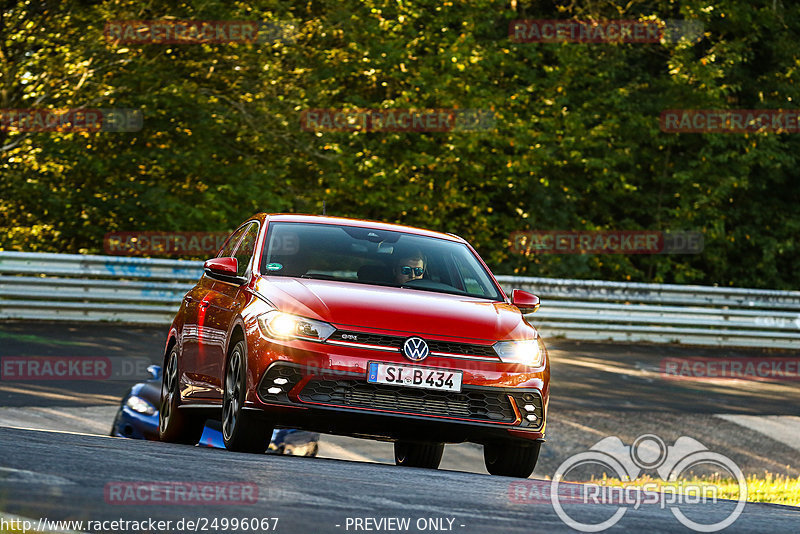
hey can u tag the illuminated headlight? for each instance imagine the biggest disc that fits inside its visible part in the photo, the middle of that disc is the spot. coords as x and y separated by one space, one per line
285 326
139 405
526 352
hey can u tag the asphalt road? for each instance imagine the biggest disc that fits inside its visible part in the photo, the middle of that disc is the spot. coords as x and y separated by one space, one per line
64 476
599 390
589 376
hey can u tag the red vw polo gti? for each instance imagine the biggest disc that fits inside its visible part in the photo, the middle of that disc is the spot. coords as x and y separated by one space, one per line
362 329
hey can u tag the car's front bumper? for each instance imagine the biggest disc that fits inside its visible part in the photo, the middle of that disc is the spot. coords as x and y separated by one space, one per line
135 425
337 401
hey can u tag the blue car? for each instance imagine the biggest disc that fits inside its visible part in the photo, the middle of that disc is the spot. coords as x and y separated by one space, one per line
137 418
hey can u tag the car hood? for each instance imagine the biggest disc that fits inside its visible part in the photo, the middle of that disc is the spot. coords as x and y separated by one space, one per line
403 310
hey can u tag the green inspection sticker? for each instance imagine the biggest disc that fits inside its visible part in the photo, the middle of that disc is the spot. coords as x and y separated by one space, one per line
274 266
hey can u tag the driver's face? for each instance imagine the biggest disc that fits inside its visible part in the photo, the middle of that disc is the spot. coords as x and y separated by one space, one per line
412 265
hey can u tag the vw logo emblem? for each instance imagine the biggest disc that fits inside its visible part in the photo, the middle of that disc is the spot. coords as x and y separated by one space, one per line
415 349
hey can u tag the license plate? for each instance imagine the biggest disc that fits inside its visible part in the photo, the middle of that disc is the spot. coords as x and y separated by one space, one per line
414 376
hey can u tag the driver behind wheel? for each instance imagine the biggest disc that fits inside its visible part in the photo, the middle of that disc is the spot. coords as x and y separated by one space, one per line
409 266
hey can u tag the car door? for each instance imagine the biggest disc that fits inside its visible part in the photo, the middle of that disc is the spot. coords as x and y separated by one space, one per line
224 302
194 330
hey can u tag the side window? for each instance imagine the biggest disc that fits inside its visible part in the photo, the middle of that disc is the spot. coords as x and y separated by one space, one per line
227 249
246 248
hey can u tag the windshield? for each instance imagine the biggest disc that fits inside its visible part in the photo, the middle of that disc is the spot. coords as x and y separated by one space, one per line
378 257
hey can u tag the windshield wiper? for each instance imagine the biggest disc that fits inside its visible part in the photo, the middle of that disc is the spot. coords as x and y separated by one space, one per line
320 277
447 292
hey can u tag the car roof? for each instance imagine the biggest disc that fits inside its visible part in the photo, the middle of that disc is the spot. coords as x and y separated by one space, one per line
363 223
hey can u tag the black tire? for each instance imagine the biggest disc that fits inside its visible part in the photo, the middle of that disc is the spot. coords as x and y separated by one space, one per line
415 454
176 425
511 459
113 432
242 431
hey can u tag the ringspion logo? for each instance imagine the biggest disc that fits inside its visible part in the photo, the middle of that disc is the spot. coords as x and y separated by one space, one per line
627 462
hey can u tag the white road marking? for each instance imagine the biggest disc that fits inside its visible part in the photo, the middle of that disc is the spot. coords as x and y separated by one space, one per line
89 419
15 427
782 428
9 474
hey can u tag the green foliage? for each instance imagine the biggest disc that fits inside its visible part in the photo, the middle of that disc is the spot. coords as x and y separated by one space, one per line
577 145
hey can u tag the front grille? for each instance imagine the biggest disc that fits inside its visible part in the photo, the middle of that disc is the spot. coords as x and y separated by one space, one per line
461 348
368 339
469 404
466 349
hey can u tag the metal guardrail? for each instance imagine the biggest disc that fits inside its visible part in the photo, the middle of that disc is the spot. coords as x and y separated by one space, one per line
75 287
664 313
37 286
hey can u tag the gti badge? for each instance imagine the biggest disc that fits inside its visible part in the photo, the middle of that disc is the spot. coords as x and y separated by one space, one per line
415 349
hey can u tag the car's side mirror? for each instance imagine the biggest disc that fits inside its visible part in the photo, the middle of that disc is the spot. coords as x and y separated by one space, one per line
155 371
526 302
224 269
223 266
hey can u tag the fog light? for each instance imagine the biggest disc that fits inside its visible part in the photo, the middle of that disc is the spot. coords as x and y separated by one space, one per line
280 381
274 391
531 418
530 408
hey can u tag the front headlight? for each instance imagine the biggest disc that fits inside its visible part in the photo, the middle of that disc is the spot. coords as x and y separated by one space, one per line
527 352
286 326
139 405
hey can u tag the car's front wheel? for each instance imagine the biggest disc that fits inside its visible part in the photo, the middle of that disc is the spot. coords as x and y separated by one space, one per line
415 454
113 432
242 431
511 459
176 425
